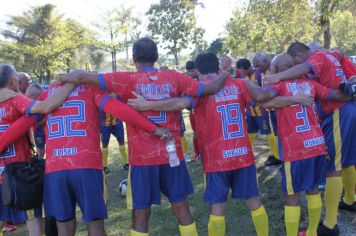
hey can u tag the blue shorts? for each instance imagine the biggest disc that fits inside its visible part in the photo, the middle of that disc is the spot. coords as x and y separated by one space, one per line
243 183
146 183
116 130
39 136
304 175
63 189
273 121
17 216
340 136
258 124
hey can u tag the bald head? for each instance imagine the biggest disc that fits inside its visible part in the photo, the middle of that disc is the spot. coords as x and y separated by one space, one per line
281 62
34 91
261 61
315 46
24 81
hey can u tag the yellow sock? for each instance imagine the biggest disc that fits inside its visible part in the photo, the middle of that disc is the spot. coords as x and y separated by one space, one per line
188 230
135 233
349 182
105 153
332 195
272 140
292 218
260 220
216 226
123 153
184 143
314 211
251 137
276 150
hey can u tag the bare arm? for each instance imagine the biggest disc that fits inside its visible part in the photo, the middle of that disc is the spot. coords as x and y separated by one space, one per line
294 72
216 84
257 93
283 101
339 96
54 101
170 104
80 77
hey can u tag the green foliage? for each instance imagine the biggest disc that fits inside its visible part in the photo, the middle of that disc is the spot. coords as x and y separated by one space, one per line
343 34
217 46
173 24
43 40
269 26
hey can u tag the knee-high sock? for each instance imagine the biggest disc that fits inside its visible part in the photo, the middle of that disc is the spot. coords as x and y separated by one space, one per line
105 153
349 182
188 230
135 233
260 221
333 191
272 142
251 137
123 153
184 143
314 211
105 189
216 226
292 218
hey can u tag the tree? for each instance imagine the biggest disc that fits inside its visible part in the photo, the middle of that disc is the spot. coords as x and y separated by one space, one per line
217 46
121 28
43 39
173 24
344 36
269 26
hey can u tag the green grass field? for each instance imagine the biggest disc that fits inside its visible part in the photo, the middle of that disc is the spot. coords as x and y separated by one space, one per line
238 218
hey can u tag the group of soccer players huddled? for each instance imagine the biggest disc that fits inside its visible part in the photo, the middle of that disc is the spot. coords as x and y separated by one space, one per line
301 100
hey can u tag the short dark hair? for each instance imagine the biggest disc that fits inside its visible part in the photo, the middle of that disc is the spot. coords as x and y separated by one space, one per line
207 63
145 50
6 71
189 65
243 63
297 47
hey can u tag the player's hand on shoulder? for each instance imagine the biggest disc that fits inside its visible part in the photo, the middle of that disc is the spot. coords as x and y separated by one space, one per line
164 133
270 79
6 94
304 99
73 77
139 103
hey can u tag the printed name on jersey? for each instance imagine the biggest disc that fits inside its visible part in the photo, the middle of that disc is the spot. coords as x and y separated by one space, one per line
78 89
227 93
154 91
314 142
235 152
70 151
296 88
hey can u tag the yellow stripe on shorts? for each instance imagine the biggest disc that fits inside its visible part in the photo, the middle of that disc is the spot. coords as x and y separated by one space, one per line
288 175
129 191
204 176
30 214
337 139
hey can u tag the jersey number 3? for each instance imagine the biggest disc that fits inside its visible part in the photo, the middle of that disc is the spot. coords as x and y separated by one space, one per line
231 116
61 126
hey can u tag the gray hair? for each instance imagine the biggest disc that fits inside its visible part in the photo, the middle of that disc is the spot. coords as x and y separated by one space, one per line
6 71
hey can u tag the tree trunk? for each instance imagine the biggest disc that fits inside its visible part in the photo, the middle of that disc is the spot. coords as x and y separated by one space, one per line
48 76
327 36
176 60
113 61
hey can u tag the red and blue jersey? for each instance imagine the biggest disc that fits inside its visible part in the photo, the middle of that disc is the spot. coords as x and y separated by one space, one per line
106 119
222 130
256 77
145 149
73 136
327 70
299 130
10 111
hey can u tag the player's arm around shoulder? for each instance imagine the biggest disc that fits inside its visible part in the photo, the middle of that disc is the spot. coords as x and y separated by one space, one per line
171 104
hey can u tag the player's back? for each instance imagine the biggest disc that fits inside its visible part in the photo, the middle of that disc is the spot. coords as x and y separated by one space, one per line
73 137
221 128
10 111
298 127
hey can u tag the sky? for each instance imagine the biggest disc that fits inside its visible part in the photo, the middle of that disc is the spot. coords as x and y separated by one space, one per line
212 17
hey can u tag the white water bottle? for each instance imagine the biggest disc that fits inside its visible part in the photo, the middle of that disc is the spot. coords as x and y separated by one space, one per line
172 153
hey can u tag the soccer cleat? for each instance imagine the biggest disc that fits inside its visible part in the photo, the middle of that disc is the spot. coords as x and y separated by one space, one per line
272 161
8 227
187 158
126 166
325 231
106 170
344 206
